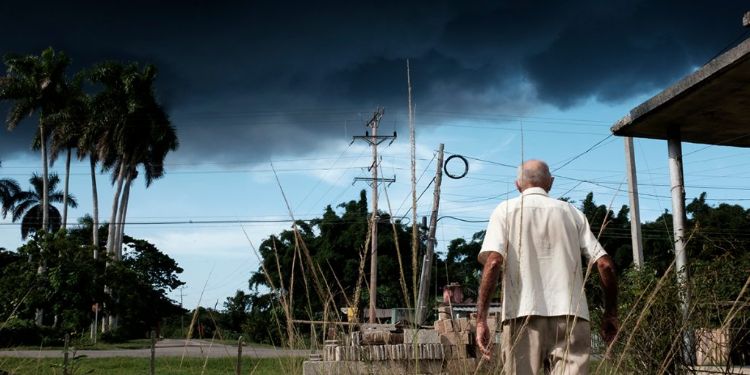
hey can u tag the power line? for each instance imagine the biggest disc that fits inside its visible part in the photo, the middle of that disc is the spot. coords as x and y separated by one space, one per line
419 179
320 180
583 153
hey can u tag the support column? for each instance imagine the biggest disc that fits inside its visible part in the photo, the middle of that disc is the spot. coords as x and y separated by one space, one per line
635 210
677 186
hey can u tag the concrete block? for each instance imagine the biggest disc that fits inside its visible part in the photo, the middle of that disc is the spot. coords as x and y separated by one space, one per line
421 336
463 323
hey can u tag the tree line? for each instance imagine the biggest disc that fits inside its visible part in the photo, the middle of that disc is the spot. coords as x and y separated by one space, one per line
108 114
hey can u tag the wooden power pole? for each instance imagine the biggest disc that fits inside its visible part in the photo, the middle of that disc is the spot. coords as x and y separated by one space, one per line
374 140
424 279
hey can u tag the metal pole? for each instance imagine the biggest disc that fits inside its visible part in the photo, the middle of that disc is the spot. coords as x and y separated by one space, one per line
677 186
374 236
635 211
424 280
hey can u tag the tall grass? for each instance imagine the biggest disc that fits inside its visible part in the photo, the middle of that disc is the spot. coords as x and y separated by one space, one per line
654 326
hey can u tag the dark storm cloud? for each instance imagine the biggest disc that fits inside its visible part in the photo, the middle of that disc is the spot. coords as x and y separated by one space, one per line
245 82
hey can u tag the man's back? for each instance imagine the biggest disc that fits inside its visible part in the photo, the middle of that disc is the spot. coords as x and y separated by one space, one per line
541 240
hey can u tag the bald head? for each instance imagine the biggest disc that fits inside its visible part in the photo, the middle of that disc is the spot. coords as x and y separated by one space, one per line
534 173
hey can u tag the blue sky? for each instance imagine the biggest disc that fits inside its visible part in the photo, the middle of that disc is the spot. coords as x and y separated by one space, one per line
247 85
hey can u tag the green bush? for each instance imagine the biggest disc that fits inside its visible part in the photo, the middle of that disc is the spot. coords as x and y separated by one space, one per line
653 331
19 332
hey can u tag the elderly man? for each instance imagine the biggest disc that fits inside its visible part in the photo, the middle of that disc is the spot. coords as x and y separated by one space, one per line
537 243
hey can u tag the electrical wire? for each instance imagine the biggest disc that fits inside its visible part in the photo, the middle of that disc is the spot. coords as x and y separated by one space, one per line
582 153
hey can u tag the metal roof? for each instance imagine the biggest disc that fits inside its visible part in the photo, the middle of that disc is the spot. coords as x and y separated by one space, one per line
710 106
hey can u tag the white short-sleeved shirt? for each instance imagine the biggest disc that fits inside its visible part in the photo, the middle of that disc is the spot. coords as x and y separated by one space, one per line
541 240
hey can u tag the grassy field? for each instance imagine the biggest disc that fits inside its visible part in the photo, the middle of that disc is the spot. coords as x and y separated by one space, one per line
164 366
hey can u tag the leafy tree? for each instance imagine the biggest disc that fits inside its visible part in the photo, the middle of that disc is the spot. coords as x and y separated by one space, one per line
237 311
336 242
69 288
140 283
615 235
264 321
717 230
64 292
461 265
14 283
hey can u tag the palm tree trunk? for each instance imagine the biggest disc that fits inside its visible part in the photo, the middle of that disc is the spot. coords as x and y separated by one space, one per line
113 216
95 234
121 213
95 228
109 322
39 314
45 180
105 315
119 231
65 191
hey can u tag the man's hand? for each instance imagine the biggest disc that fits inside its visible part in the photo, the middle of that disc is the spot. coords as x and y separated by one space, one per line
490 275
610 326
608 280
483 339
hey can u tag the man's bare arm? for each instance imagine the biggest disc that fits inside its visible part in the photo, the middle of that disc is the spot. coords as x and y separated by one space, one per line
490 275
610 324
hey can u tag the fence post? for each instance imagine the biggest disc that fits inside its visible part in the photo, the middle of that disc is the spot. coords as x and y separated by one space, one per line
65 354
153 352
239 356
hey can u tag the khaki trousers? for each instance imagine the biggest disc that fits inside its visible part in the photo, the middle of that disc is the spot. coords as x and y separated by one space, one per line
556 344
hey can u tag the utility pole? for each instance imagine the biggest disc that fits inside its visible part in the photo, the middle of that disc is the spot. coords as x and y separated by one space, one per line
374 140
635 214
182 314
414 228
424 279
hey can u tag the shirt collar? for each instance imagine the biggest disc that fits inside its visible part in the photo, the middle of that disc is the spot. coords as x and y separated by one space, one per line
535 190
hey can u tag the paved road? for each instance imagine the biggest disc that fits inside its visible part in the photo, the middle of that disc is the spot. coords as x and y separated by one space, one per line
169 348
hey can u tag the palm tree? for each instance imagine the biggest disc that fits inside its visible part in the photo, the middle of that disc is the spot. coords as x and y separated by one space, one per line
27 206
8 189
93 143
133 130
36 84
67 133
138 132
